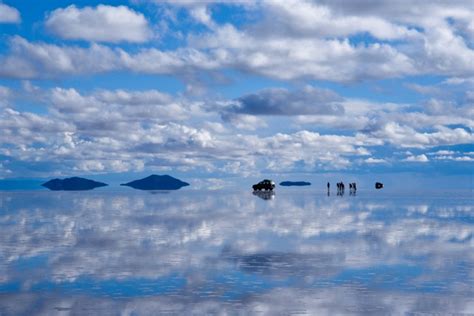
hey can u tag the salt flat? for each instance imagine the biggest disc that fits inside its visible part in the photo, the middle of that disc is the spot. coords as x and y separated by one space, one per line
213 252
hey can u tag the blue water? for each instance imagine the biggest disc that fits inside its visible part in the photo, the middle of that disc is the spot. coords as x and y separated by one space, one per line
217 252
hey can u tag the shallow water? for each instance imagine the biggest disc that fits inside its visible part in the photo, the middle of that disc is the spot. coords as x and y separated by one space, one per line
197 252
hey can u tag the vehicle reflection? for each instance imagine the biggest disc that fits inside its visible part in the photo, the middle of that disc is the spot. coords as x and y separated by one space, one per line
265 195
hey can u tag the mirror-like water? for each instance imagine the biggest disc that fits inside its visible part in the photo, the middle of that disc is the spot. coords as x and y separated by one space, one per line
186 252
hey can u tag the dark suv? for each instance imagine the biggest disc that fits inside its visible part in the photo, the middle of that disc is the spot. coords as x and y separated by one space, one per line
264 185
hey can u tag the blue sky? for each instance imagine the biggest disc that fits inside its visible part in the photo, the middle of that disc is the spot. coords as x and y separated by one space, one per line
214 89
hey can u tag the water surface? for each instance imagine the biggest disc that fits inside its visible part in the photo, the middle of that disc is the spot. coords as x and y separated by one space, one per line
185 252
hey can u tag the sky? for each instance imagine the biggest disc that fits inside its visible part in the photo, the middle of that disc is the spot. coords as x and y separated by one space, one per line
215 89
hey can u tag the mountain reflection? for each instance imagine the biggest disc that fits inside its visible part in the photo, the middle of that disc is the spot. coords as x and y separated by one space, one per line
218 253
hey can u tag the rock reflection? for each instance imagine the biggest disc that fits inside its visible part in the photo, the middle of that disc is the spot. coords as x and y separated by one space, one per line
218 253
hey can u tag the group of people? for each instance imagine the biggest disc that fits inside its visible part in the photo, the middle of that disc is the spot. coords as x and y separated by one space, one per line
341 188
352 188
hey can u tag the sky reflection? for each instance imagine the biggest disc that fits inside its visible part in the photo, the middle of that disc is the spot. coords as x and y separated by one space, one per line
212 252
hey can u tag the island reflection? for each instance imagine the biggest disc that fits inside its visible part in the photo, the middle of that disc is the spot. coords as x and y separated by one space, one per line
105 253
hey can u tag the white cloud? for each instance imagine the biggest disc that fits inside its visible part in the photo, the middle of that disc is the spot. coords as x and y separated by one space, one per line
403 11
443 152
244 121
287 43
464 158
103 23
5 94
190 236
454 158
308 100
39 60
285 57
372 160
9 14
408 137
418 158
312 19
148 128
294 41
151 129
147 97
29 60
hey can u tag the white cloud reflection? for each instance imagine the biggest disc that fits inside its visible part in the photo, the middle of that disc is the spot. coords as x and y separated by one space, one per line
224 251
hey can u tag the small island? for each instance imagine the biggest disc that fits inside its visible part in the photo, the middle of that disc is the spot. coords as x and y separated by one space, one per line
294 183
72 184
157 182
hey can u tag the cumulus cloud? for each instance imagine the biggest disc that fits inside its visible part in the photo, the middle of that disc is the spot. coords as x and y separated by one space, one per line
418 158
309 100
272 51
310 19
297 42
244 121
406 136
372 160
269 49
458 158
426 14
307 46
149 128
451 155
103 23
5 94
289 58
288 43
29 60
120 130
40 60
9 14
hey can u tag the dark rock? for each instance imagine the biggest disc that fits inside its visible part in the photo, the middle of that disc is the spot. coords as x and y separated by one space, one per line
294 183
378 185
156 182
72 184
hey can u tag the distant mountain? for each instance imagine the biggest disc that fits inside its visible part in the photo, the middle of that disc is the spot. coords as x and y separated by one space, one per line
157 182
294 183
72 184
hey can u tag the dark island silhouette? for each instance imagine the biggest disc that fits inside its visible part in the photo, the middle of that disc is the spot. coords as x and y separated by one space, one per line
72 184
157 182
294 183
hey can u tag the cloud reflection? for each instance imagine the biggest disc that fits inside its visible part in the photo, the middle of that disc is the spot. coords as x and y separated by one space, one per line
218 252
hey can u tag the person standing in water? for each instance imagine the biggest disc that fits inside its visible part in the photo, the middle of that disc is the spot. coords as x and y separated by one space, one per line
329 185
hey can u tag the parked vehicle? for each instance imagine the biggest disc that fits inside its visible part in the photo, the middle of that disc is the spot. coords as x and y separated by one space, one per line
264 185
